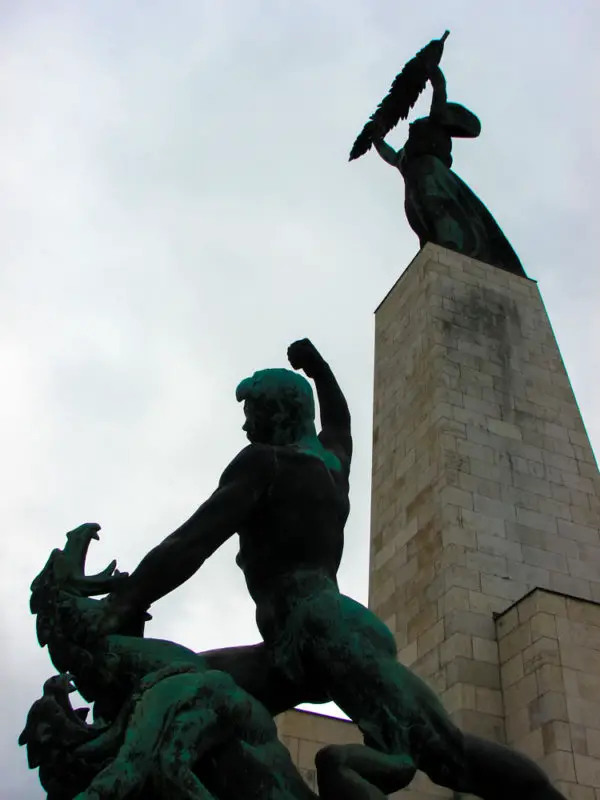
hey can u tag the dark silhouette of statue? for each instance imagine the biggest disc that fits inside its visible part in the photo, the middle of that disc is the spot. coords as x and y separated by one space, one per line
439 206
286 496
165 726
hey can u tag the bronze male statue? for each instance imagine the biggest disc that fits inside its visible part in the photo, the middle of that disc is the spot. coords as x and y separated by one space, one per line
286 495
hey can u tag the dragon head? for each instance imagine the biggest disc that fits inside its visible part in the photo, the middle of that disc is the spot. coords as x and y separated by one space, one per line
54 733
50 714
69 621
60 594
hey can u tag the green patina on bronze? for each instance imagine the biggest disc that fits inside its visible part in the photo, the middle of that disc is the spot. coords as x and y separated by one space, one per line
281 411
159 710
174 724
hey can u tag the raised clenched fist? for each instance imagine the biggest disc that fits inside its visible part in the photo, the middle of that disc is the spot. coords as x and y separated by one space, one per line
305 356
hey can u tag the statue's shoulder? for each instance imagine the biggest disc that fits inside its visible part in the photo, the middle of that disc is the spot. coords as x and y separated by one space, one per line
257 458
254 451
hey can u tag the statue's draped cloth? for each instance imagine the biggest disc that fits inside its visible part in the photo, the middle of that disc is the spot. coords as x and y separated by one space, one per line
441 208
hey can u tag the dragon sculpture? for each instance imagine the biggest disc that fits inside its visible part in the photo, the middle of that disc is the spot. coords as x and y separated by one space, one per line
164 725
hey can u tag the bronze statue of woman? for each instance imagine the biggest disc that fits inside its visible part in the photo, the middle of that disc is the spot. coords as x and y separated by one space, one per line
439 206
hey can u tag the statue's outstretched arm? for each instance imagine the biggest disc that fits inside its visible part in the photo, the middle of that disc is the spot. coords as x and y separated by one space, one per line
182 553
386 152
437 111
335 415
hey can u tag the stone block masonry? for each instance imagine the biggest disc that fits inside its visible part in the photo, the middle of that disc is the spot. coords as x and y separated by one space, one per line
484 483
305 733
550 670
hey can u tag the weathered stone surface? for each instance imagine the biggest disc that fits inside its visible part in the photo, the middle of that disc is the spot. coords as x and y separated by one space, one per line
551 686
483 469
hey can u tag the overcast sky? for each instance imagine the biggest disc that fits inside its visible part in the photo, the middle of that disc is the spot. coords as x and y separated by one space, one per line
176 207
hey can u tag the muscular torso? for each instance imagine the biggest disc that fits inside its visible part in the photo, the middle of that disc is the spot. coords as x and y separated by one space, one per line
296 527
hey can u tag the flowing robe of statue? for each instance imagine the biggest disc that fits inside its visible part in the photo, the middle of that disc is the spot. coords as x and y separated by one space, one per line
439 206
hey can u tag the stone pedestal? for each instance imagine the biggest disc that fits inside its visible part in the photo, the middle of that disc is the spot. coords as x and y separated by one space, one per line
484 484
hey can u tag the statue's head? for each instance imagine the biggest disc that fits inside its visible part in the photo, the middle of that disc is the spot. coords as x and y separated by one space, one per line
69 619
457 121
279 406
53 734
61 594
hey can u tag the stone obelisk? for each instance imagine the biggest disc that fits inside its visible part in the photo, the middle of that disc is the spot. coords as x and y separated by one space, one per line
485 546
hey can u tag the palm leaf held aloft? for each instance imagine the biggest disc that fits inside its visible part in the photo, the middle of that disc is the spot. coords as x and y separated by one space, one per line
402 96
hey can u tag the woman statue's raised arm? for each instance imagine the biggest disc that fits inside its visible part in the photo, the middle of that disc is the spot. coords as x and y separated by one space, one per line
438 101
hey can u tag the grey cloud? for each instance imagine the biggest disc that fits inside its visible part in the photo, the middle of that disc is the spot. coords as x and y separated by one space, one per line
177 206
